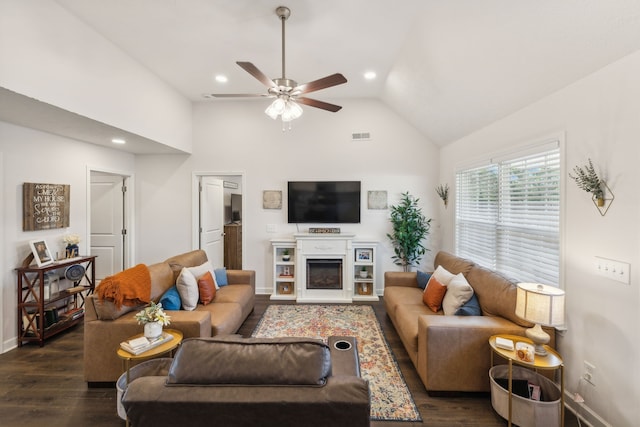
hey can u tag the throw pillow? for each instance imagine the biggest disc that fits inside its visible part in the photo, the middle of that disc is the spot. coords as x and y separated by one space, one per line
188 289
433 295
171 299
423 279
221 276
206 288
200 270
458 292
443 275
471 308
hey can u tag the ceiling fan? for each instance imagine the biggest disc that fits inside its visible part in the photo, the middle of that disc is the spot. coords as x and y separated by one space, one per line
287 92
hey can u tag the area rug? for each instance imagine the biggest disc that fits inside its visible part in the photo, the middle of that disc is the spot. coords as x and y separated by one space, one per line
391 399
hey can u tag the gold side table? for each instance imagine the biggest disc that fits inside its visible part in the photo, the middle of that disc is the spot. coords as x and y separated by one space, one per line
163 348
552 361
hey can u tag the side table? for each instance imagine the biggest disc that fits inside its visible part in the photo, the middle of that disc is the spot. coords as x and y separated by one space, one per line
552 361
164 348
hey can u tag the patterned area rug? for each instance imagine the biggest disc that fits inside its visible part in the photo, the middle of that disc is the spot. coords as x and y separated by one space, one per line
390 396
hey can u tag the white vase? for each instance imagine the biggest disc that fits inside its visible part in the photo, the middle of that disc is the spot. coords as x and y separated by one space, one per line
152 330
363 274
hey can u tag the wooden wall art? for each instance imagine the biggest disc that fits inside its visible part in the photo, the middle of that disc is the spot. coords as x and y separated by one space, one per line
45 206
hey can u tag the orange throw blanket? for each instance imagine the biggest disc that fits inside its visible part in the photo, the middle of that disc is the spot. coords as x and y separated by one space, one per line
130 287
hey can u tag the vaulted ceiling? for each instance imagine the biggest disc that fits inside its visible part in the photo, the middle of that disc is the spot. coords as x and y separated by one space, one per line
450 67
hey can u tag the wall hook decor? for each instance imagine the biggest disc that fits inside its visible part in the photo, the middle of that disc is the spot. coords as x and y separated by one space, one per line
588 180
443 192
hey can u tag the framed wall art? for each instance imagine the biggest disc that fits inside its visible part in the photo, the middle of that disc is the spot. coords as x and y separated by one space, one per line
272 199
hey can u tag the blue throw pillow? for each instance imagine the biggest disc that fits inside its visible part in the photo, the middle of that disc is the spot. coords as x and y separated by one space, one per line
470 308
221 276
171 299
423 279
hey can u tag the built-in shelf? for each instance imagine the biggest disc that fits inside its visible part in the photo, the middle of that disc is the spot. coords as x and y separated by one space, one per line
290 276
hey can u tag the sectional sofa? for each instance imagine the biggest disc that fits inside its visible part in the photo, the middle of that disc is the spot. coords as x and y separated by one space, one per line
451 352
106 326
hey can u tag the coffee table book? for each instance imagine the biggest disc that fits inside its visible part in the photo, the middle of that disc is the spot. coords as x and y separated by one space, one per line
134 349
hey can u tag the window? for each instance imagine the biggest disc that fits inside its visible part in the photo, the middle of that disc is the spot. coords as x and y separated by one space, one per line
508 215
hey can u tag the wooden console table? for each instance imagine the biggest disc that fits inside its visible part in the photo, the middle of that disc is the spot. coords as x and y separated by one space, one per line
66 306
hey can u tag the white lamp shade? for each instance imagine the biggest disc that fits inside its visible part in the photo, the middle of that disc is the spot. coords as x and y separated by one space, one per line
540 304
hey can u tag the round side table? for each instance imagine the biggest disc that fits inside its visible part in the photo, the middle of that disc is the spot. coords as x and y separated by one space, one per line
163 348
552 361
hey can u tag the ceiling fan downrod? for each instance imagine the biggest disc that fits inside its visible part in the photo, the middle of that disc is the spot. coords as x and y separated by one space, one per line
284 13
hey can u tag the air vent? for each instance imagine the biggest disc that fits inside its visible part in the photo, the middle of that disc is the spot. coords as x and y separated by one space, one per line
362 136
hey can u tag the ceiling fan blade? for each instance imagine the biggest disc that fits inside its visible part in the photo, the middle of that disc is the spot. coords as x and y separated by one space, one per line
319 104
253 70
323 83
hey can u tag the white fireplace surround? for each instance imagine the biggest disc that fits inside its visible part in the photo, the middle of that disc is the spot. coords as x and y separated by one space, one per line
325 246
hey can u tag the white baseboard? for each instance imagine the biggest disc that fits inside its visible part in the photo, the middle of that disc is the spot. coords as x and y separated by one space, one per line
585 414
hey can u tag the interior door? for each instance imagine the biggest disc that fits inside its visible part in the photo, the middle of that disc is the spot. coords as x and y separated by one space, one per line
212 219
107 223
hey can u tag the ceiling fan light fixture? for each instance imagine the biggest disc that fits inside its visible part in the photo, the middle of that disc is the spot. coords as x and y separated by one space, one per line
292 111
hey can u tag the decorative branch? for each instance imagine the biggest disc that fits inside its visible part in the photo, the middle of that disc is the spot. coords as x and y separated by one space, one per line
443 192
588 180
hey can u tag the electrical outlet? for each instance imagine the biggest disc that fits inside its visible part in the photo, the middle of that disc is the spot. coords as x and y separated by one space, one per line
272 228
589 374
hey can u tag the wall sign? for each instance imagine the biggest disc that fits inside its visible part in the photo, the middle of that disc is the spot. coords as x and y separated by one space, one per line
45 206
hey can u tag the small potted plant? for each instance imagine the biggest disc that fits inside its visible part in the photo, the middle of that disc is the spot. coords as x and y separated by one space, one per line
363 272
286 256
153 318
589 181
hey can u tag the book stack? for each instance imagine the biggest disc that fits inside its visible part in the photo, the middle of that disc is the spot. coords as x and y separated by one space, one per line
139 345
72 314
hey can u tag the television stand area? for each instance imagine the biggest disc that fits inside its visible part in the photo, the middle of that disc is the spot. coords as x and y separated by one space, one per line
324 268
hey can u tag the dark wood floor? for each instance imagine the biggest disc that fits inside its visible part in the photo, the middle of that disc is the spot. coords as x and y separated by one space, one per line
45 386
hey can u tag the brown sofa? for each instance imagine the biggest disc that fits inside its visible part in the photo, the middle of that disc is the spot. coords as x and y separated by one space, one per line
452 353
254 382
105 327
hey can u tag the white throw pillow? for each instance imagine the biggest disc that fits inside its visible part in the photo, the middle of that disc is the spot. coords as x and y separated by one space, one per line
459 291
200 271
443 275
187 285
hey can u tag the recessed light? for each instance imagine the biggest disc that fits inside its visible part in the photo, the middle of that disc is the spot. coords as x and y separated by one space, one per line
118 141
221 78
370 75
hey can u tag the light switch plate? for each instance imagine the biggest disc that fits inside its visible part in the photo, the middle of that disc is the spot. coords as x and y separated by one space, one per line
612 269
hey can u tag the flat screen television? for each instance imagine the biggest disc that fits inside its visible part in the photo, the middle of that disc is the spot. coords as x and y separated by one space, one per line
324 202
236 207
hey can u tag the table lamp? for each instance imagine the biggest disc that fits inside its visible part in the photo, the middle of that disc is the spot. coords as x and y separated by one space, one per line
542 305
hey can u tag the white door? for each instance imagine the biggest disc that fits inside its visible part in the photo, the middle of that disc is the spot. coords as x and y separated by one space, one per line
107 223
212 219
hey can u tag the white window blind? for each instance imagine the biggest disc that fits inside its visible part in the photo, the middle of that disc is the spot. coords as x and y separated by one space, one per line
508 216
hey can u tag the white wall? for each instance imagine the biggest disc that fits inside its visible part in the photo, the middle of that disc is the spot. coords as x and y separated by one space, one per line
237 136
33 156
599 116
50 55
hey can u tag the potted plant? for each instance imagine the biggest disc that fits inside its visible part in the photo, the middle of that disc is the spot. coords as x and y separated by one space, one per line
589 181
363 272
285 255
410 227
153 318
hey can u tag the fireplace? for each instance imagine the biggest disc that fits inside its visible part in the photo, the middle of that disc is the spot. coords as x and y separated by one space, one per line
324 273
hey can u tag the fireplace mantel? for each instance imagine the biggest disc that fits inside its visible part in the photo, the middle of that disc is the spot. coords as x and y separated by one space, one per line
290 275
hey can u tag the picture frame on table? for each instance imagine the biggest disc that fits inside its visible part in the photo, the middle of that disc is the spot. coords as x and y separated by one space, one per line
364 255
41 252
